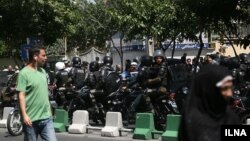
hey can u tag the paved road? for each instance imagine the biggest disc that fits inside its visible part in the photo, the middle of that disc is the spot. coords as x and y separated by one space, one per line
92 136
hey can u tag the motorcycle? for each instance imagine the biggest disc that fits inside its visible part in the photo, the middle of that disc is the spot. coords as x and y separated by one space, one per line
240 102
122 101
162 106
69 99
131 101
14 124
97 101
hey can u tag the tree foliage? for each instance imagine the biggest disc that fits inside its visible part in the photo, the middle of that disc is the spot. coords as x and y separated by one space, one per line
2 47
48 19
222 17
88 24
144 18
97 25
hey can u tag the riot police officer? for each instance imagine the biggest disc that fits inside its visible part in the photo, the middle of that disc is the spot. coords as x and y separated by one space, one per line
61 79
93 74
145 72
139 104
62 75
106 68
109 81
77 74
245 66
160 70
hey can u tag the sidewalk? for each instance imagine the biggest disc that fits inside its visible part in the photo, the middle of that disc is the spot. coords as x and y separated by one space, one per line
92 136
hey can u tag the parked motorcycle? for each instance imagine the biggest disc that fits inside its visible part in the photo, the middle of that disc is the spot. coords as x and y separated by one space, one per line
240 102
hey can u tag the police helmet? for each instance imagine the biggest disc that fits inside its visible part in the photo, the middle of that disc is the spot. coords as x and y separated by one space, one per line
93 66
159 53
76 62
107 60
146 60
60 66
243 57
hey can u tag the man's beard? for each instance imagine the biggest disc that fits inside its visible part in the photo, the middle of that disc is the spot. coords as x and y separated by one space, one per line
159 62
40 64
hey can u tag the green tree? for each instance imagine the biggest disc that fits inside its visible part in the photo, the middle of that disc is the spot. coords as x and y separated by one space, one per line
160 19
243 19
212 15
49 19
2 48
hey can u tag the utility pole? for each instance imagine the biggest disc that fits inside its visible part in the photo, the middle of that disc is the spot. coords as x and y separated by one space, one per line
65 46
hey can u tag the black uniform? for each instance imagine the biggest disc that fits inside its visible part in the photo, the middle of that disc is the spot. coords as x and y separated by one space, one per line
92 79
62 78
160 72
108 81
143 75
78 77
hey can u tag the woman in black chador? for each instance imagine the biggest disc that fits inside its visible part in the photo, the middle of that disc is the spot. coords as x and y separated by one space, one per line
207 105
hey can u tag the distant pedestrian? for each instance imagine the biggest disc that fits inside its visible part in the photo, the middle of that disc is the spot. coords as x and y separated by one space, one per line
97 59
118 69
184 58
189 65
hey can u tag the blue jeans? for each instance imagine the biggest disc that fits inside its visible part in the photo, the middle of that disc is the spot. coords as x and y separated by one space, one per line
44 128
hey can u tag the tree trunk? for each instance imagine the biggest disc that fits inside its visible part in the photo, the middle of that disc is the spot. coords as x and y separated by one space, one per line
120 53
65 46
165 49
150 46
116 49
235 53
173 51
121 56
209 36
199 52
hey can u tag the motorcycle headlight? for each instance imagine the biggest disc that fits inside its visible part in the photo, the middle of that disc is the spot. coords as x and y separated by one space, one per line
185 90
242 73
248 87
237 92
234 73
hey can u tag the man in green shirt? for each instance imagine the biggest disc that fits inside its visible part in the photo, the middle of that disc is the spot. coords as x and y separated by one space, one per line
33 98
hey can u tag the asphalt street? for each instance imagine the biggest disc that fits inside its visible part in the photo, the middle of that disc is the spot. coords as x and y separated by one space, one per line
92 136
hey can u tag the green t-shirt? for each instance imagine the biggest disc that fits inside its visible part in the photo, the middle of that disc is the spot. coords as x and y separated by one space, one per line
35 86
